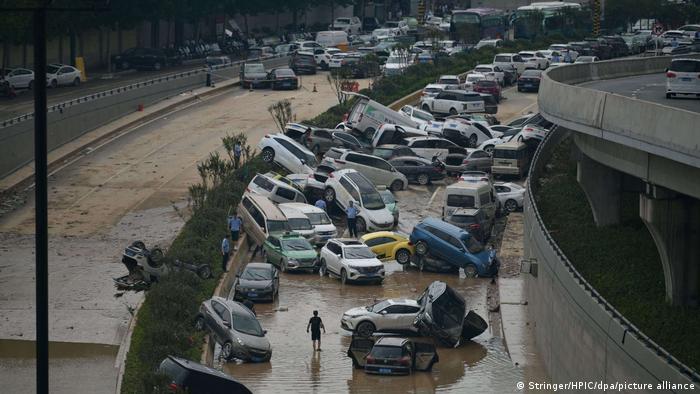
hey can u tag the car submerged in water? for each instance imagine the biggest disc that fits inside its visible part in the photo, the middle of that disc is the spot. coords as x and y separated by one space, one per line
392 355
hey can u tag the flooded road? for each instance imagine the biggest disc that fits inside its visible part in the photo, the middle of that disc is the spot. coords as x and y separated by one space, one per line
482 365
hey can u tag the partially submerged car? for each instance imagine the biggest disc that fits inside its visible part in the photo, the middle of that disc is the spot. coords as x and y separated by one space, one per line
443 316
257 282
392 355
194 378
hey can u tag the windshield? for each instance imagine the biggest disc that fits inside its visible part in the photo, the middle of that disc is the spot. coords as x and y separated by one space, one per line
254 68
387 197
296 244
384 153
300 224
256 274
473 246
275 226
449 81
51 69
376 308
386 352
358 253
372 200
465 18
318 218
502 59
285 72
532 73
247 325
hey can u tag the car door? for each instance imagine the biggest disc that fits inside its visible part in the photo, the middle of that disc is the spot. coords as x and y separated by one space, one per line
488 204
285 157
333 257
413 168
359 349
438 246
444 101
482 160
272 249
385 173
421 147
380 246
398 317
221 318
424 356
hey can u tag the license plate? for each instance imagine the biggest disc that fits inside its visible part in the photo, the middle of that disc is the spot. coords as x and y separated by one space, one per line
252 294
385 370
686 79
528 85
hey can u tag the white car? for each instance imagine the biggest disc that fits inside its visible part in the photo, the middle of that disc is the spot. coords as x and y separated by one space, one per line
434 21
563 49
587 59
397 63
350 25
400 27
450 47
453 102
510 61
432 89
275 190
323 56
336 60
286 152
20 78
350 260
307 46
383 33
429 147
324 229
450 82
534 59
395 315
549 54
376 169
491 71
343 186
511 195
426 121
494 43
683 78
471 79
61 75
464 133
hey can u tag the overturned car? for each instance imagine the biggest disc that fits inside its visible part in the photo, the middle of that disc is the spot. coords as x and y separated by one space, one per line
443 316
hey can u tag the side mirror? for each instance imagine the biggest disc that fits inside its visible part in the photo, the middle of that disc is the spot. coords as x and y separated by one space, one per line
227 324
383 312
303 161
264 332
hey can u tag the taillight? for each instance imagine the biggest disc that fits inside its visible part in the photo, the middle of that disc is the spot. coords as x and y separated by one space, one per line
330 175
670 74
465 161
173 387
474 226
405 360
345 117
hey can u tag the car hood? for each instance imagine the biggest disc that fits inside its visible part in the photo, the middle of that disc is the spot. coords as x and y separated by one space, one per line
391 207
363 262
254 284
486 255
357 311
380 215
301 254
322 228
255 342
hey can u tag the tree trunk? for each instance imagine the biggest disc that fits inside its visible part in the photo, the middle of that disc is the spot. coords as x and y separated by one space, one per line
6 54
332 11
73 49
100 37
24 53
245 22
120 42
60 47
167 35
295 19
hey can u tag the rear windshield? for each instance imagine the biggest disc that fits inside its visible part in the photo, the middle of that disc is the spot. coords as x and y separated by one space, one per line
463 219
254 68
172 370
507 154
502 59
532 73
386 352
285 72
462 201
274 226
685 66
486 84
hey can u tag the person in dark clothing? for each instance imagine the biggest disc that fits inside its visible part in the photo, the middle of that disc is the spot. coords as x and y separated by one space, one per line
316 324
351 213
225 252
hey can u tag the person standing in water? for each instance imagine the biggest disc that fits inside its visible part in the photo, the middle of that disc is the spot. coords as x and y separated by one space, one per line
316 324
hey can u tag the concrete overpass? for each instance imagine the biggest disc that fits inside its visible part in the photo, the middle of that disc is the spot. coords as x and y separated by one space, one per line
630 144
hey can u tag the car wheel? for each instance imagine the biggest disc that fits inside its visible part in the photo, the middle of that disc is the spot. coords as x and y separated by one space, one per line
403 256
204 272
426 108
361 226
453 111
199 323
76 82
283 265
155 258
488 149
343 276
156 66
329 195
54 83
423 179
396 186
268 155
365 329
470 271
473 140
139 244
511 205
323 270
369 133
421 248
227 351
31 85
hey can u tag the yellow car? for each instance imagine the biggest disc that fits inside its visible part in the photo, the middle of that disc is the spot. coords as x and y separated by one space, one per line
388 245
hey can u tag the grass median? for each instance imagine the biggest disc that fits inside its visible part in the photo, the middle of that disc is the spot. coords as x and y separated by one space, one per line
621 262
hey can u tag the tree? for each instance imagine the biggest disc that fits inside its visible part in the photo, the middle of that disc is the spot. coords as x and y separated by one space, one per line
281 113
338 81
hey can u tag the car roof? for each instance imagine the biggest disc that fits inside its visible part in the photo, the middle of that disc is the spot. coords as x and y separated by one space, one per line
271 211
349 242
468 185
197 367
235 305
444 226
392 341
448 76
258 265
295 143
422 138
378 234
466 211
414 158
291 212
506 54
509 184
305 208
403 301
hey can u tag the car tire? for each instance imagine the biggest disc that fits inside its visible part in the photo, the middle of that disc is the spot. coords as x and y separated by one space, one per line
31 85
199 324
473 140
396 185
323 269
155 258
54 83
511 205
369 133
426 108
283 265
403 256
268 155
453 111
329 195
423 179
76 82
361 226
157 66
343 276
365 329
421 248
488 149
204 272
227 351
139 244
470 271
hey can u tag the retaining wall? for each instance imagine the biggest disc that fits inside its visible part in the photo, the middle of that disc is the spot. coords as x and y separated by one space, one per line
71 119
580 336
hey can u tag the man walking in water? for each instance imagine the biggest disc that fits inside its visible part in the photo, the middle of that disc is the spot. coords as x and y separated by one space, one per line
316 324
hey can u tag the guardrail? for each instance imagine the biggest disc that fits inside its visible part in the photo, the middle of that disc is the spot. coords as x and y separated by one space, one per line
641 351
625 120
73 118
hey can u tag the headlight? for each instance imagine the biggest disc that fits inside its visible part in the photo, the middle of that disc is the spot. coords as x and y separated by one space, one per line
292 262
240 341
354 267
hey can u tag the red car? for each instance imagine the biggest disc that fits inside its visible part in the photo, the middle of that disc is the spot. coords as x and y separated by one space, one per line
490 87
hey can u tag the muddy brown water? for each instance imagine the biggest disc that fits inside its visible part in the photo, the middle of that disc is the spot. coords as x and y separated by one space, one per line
481 365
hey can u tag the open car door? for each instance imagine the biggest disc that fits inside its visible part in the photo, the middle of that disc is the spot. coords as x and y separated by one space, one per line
425 356
359 349
473 326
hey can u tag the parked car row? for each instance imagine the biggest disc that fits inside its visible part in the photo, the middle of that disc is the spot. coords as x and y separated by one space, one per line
56 75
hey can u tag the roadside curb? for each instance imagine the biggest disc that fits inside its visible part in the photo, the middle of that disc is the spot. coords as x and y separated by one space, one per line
124 347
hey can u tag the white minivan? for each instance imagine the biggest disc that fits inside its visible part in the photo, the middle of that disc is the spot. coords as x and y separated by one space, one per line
683 78
469 195
324 229
332 38
298 222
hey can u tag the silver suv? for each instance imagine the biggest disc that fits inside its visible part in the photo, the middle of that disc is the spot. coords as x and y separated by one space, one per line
376 169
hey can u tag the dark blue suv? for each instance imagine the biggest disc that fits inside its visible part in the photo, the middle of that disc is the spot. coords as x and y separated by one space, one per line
455 246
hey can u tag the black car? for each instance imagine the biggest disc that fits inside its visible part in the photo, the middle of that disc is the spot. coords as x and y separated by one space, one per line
530 81
194 378
349 141
392 355
390 151
303 63
257 282
143 58
418 169
370 23
283 78
442 314
360 65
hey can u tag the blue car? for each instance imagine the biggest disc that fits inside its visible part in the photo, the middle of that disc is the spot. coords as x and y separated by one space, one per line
453 245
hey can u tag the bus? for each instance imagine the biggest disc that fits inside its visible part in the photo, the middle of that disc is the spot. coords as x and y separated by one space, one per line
474 24
543 18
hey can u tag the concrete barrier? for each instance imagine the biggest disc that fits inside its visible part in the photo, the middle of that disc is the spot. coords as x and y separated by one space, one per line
580 336
73 118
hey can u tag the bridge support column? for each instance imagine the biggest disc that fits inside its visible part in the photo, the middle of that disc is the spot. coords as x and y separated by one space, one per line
603 187
674 223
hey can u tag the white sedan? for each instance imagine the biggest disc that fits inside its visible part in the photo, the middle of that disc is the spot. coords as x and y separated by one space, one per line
287 153
389 316
20 78
426 121
61 75
511 195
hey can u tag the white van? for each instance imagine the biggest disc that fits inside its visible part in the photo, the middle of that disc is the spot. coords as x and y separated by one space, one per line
683 78
469 195
510 158
298 222
332 38
276 191
261 218
324 229
367 115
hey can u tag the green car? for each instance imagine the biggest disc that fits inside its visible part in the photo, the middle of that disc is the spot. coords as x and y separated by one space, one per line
291 252
391 205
